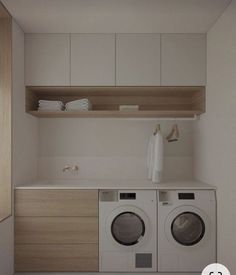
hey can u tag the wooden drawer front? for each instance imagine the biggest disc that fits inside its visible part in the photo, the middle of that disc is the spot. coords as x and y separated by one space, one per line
61 203
56 230
57 258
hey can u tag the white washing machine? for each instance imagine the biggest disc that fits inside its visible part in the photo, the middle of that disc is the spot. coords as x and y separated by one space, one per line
186 230
127 231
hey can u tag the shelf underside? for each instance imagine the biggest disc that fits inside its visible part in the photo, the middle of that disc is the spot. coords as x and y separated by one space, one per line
118 114
152 101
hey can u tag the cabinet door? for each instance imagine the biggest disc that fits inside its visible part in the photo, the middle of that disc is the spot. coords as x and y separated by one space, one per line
183 60
56 258
47 59
56 203
56 230
92 59
138 60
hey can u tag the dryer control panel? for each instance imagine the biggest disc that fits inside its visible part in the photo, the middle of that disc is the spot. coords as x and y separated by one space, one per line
127 196
186 196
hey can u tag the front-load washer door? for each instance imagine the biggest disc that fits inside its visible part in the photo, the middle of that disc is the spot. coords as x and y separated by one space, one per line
128 228
188 228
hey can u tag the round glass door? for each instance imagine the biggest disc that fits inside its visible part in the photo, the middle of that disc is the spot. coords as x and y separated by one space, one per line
188 228
128 228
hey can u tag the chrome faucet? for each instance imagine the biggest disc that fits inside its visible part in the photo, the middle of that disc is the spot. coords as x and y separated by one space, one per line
70 168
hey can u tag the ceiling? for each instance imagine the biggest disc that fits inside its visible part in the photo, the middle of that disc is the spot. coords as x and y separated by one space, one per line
109 16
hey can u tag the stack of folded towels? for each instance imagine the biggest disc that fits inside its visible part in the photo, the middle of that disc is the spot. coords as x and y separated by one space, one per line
80 105
50 105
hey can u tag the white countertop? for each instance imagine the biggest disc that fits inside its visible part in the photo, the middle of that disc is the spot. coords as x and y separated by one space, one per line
117 184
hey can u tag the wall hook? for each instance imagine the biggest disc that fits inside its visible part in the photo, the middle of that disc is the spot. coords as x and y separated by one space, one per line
174 134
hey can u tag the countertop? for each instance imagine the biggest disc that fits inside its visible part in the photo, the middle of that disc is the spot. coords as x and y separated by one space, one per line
117 184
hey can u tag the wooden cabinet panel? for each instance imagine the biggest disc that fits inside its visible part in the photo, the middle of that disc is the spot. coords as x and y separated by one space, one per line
57 258
138 60
92 59
47 59
46 203
183 59
56 230
5 114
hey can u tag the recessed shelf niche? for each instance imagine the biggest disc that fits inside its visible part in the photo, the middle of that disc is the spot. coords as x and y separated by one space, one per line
153 102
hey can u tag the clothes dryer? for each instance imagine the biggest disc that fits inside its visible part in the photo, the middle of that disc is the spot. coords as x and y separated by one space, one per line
127 231
186 230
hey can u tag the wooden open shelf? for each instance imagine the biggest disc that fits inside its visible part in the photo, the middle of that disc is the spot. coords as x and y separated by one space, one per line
152 101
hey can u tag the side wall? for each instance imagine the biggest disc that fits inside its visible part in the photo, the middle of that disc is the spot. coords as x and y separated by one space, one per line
25 127
215 133
25 144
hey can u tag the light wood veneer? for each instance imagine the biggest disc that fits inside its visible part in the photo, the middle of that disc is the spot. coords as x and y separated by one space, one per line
57 258
5 112
56 230
56 203
152 101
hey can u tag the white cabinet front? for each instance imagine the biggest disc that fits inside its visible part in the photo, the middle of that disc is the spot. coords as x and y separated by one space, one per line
183 59
138 60
115 60
92 59
47 59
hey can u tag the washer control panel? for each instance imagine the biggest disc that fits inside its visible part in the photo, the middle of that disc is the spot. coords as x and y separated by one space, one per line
127 196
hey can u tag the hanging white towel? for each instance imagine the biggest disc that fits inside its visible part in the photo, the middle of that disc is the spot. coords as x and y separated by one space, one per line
150 156
158 158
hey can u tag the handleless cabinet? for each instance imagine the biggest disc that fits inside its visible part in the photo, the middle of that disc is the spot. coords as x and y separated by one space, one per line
183 59
56 230
47 59
93 59
138 60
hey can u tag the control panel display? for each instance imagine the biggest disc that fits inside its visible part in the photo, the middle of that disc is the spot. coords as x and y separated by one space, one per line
186 196
127 196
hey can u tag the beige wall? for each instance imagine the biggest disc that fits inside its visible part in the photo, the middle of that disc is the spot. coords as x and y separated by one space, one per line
215 133
109 148
25 127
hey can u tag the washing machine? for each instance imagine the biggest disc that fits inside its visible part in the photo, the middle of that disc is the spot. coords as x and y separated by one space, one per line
127 231
186 230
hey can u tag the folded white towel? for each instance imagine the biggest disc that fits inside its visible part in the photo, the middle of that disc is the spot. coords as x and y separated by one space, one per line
50 105
49 109
79 101
77 109
80 104
158 158
50 102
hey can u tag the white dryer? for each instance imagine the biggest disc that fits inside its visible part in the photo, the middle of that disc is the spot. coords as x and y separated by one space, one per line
186 230
127 231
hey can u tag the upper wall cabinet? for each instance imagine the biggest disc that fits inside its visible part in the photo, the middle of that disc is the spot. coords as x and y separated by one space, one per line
183 59
47 59
138 60
115 60
92 59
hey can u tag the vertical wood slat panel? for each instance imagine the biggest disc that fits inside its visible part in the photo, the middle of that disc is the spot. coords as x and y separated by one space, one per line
5 115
